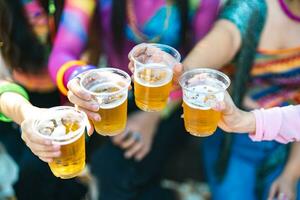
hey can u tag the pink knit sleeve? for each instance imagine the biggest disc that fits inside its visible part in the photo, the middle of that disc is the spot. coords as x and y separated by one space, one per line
280 124
72 34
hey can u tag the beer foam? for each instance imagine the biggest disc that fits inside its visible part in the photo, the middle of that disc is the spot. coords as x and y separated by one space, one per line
110 95
155 54
153 77
101 77
114 103
204 96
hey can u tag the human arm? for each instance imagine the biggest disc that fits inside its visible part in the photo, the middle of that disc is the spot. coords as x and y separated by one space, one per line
279 123
284 187
71 37
216 49
13 102
236 22
14 105
69 44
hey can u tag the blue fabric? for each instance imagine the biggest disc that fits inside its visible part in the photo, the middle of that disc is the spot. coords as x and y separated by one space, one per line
8 173
168 36
240 180
126 179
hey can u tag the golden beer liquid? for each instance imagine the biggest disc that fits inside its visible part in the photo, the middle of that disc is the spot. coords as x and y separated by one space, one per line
200 122
113 120
152 97
72 159
114 114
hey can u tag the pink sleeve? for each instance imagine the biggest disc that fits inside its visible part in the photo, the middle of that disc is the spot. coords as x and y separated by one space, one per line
205 17
280 124
72 34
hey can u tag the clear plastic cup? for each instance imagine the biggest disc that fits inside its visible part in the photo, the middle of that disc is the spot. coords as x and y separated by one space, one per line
109 87
202 89
153 74
65 126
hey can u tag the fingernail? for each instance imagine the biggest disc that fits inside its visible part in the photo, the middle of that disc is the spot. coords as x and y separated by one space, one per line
97 118
95 107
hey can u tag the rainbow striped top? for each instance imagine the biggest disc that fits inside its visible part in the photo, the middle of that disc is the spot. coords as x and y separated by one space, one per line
275 78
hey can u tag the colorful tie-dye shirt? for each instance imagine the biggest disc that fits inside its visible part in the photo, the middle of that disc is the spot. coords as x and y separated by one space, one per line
275 78
72 34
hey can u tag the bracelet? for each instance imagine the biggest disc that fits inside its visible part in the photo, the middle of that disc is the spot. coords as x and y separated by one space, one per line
11 87
62 70
80 70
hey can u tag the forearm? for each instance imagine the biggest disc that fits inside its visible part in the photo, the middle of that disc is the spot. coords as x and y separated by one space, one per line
72 34
293 165
278 123
243 122
14 106
217 48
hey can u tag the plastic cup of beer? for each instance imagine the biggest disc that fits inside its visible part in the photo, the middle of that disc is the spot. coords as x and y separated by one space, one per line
202 89
65 126
153 74
109 88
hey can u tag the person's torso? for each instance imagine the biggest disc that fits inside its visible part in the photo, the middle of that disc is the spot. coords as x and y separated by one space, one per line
275 74
147 21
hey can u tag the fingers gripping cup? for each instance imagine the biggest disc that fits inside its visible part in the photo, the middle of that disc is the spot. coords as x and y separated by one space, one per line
202 89
65 126
153 74
109 87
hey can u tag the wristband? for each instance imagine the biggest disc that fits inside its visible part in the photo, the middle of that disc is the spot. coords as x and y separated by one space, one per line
62 70
11 87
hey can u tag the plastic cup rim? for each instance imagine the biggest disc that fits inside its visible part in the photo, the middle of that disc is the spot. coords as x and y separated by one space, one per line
203 70
128 80
177 58
79 131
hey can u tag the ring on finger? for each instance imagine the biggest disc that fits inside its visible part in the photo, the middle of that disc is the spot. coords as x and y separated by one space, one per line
136 136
